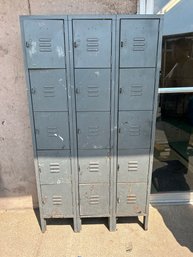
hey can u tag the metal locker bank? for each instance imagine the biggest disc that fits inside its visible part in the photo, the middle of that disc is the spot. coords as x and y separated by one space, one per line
92 85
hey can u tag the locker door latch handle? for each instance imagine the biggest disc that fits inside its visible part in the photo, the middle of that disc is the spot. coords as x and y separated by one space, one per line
121 43
28 44
33 90
118 200
120 90
78 131
119 130
77 91
75 45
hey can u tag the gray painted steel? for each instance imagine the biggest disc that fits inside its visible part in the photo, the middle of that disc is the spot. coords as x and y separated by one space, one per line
92 88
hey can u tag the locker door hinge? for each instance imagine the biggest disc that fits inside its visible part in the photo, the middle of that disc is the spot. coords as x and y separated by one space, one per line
120 90
44 199
39 168
77 90
79 168
118 167
118 200
121 43
119 130
78 131
75 45
28 44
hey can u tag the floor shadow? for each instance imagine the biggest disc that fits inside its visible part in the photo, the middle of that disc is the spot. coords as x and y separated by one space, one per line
179 220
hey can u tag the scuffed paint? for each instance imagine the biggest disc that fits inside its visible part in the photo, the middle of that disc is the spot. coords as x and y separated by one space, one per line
32 49
60 51
56 135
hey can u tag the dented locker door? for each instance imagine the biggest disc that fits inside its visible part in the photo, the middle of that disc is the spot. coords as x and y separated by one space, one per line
93 130
92 43
48 90
136 89
131 199
133 165
54 167
134 129
92 89
138 42
51 130
94 166
44 43
57 200
94 200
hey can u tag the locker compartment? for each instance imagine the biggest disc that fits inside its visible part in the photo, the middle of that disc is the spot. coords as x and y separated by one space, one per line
44 43
94 200
133 165
57 200
92 43
131 199
136 89
94 166
48 90
51 130
138 42
134 129
92 87
93 130
54 167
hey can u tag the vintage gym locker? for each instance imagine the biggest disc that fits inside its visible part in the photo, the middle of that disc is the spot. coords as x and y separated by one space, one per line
92 90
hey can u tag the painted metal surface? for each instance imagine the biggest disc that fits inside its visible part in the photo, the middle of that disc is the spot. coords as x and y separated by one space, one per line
48 89
136 89
138 43
44 43
92 43
51 130
92 89
92 112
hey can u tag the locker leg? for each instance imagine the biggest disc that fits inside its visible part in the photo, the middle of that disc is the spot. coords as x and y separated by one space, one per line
145 222
77 224
112 223
43 224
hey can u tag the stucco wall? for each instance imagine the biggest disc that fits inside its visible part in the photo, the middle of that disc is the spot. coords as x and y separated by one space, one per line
17 176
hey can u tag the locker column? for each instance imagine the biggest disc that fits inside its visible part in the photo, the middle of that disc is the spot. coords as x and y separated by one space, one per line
92 44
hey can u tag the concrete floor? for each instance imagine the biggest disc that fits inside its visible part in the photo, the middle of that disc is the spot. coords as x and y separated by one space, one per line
170 234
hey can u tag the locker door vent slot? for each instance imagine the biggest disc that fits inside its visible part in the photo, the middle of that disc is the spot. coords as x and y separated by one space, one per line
132 165
94 199
57 199
54 167
136 90
94 167
92 44
52 131
49 91
139 44
131 199
45 45
134 130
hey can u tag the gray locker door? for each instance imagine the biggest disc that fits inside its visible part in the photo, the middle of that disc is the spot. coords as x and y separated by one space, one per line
44 41
136 89
133 165
94 166
48 89
57 200
94 200
54 167
134 129
131 199
93 130
138 42
52 130
92 43
92 89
